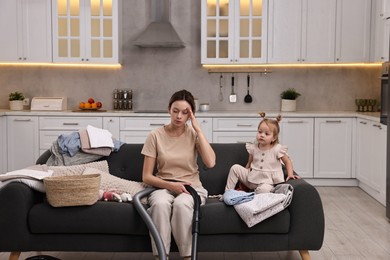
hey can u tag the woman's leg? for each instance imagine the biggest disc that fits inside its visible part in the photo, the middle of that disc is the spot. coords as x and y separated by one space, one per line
160 210
182 212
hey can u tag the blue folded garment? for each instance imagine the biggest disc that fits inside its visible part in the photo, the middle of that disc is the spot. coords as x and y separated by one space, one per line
234 197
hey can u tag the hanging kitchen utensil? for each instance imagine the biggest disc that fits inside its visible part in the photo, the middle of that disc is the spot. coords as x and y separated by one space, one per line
220 89
248 97
233 96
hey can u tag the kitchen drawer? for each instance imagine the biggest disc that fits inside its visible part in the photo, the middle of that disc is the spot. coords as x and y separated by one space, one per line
234 137
142 124
69 123
134 137
46 138
236 124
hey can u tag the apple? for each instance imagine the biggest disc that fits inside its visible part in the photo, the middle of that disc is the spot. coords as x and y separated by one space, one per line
91 100
99 104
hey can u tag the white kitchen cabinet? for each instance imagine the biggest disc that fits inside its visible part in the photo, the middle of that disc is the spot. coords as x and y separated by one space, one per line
353 30
381 33
371 158
235 130
136 130
298 135
86 31
22 141
112 124
25 31
233 31
3 145
52 127
301 31
386 8
333 147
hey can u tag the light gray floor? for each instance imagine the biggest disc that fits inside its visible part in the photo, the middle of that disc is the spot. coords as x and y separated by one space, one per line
356 228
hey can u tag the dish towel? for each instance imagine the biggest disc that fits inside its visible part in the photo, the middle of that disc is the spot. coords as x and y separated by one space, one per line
234 197
99 137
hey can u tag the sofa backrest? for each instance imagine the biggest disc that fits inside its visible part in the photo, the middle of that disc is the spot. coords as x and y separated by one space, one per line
128 164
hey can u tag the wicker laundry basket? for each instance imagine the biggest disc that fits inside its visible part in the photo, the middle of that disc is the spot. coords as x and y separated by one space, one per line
76 190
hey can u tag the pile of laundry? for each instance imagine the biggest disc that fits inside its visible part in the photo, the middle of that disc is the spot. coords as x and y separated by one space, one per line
254 208
86 145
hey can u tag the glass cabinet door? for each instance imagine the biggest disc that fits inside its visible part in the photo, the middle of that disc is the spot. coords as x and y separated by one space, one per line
68 31
250 28
85 31
217 20
234 31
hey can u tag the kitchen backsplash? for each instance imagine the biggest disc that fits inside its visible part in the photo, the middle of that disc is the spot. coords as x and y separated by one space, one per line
154 74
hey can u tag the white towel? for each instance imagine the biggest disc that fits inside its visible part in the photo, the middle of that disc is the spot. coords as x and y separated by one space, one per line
99 137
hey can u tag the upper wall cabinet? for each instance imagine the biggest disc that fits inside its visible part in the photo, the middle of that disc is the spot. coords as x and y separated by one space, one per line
316 31
86 31
381 30
301 31
25 31
234 31
353 30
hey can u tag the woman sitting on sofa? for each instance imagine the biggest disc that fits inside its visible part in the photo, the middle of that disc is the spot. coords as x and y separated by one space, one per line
175 148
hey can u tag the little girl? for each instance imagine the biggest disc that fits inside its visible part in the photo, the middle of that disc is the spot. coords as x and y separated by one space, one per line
264 167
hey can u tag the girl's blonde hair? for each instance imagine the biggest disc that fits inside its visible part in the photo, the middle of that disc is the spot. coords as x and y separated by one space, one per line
273 124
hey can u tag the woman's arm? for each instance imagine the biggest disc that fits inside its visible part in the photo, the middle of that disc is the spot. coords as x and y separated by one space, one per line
149 178
204 148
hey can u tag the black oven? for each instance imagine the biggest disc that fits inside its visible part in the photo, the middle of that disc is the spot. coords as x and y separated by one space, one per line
385 100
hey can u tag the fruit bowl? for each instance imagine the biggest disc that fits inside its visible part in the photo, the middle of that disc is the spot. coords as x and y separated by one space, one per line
95 108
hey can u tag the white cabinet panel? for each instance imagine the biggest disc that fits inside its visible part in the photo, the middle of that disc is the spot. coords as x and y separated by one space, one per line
236 124
371 158
298 135
25 29
353 30
333 148
22 141
234 137
68 123
3 145
112 125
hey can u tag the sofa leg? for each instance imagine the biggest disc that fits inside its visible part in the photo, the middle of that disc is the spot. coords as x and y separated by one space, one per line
14 255
304 254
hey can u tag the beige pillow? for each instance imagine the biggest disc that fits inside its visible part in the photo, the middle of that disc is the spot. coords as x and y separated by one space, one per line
113 183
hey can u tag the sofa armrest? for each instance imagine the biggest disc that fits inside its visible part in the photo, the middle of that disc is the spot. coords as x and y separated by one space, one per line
16 200
307 225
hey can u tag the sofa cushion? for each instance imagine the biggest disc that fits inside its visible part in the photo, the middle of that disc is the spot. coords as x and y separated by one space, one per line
101 218
219 218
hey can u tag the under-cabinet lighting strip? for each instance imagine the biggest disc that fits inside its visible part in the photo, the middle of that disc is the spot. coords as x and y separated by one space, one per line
73 65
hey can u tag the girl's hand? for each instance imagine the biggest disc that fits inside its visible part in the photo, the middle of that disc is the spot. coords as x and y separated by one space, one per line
294 177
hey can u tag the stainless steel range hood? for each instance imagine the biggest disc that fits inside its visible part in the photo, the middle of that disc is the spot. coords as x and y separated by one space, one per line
160 32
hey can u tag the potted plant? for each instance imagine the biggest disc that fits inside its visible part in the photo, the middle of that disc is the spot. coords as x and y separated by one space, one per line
16 100
289 102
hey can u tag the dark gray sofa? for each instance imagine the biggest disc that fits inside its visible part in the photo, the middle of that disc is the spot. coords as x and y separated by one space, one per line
29 223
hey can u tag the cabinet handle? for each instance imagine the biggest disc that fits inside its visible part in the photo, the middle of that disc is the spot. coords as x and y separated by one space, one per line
22 120
70 123
363 123
333 121
246 125
156 124
379 126
295 121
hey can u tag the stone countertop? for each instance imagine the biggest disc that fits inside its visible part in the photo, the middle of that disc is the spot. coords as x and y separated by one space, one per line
241 114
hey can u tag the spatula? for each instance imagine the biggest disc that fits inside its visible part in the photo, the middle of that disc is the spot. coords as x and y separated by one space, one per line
248 97
233 96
